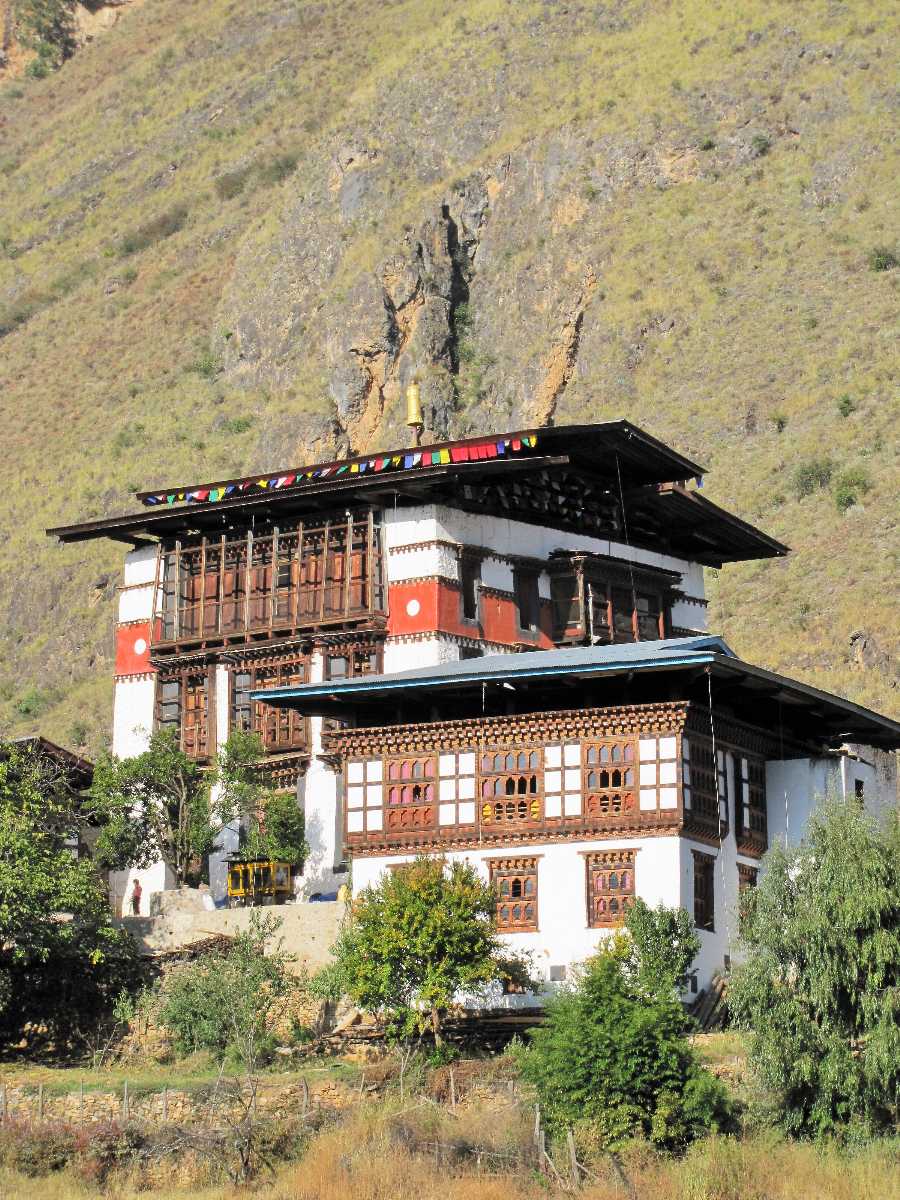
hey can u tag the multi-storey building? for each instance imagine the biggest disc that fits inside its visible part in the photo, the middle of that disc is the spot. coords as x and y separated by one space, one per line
602 747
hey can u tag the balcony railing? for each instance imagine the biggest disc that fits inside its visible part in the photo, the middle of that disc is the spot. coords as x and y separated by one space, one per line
298 577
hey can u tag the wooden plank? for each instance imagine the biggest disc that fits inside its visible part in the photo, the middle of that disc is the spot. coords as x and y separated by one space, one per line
247 578
324 570
176 626
202 585
348 566
273 589
372 568
221 607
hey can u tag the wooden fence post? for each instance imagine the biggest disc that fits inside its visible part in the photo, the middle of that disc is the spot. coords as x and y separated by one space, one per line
3 1103
165 1103
573 1158
452 1090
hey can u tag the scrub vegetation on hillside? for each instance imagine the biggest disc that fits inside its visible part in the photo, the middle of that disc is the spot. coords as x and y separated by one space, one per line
224 245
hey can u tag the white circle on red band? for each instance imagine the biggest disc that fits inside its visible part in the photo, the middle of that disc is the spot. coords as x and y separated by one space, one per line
140 646
413 608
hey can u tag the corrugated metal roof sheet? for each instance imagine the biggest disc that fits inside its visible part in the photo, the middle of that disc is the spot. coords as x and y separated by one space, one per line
577 660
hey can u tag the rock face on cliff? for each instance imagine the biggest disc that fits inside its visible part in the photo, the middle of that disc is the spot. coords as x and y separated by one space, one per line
229 237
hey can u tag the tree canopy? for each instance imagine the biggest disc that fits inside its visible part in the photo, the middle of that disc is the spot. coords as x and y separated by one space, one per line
161 804
820 987
665 944
611 1060
61 960
418 941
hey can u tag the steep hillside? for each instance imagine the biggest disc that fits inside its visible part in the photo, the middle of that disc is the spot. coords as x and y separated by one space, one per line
229 232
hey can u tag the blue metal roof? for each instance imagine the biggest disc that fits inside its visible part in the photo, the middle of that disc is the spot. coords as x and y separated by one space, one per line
578 660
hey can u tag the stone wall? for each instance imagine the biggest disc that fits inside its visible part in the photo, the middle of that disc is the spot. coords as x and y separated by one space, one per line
162 1105
308 930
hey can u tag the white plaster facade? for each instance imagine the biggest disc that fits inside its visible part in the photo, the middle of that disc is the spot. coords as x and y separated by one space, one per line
420 542
664 865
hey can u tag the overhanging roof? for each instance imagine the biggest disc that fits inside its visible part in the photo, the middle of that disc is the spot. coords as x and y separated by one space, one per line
820 716
564 477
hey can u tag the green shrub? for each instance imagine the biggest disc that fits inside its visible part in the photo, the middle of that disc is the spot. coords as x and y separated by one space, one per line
850 485
760 145
882 259
810 476
228 1002
206 366
48 27
612 1063
232 183
820 983
237 424
32 703
277 169
846 404
665 943
153 231
779 420
707 144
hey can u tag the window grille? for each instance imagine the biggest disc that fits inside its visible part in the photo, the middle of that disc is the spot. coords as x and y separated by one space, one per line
182 703
511 787
704 890
609 780
280 729
515 881
290 577
610 886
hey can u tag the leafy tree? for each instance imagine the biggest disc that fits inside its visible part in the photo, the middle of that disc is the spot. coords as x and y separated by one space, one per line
162 805
159 808
48 27
665 944
611 1062
418 940
61 960
820 988
229 1001
273 824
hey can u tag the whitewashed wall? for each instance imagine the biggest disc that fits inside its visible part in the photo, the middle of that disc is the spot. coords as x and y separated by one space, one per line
563 936
426 523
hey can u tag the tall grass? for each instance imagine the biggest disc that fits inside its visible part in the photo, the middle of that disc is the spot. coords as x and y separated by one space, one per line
386 1152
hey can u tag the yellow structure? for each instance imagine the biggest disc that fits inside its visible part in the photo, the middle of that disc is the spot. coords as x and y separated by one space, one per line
259 881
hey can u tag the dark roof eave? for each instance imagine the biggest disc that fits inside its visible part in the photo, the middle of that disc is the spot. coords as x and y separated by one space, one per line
845 722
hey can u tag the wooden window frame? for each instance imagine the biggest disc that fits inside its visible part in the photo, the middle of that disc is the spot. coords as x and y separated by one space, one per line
470 586
751 805
602 865
526 590
590 590
747 877
244 582
508 810
258 713
704 891
521 869
606 802
183 678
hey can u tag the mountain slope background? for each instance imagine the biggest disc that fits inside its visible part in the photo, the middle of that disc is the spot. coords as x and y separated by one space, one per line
229 234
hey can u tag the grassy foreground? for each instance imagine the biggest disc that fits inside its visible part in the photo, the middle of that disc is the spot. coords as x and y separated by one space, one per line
419 1146
362 1159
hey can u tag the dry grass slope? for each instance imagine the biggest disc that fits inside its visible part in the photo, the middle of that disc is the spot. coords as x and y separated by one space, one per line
721 173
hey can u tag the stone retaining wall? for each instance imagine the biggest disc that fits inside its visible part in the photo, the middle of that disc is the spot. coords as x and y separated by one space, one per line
308 930
179 1107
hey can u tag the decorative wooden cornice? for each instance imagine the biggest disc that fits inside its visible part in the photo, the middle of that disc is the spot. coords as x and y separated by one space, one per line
434 841
511 731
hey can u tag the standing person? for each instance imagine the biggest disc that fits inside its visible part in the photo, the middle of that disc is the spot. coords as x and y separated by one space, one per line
136 893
